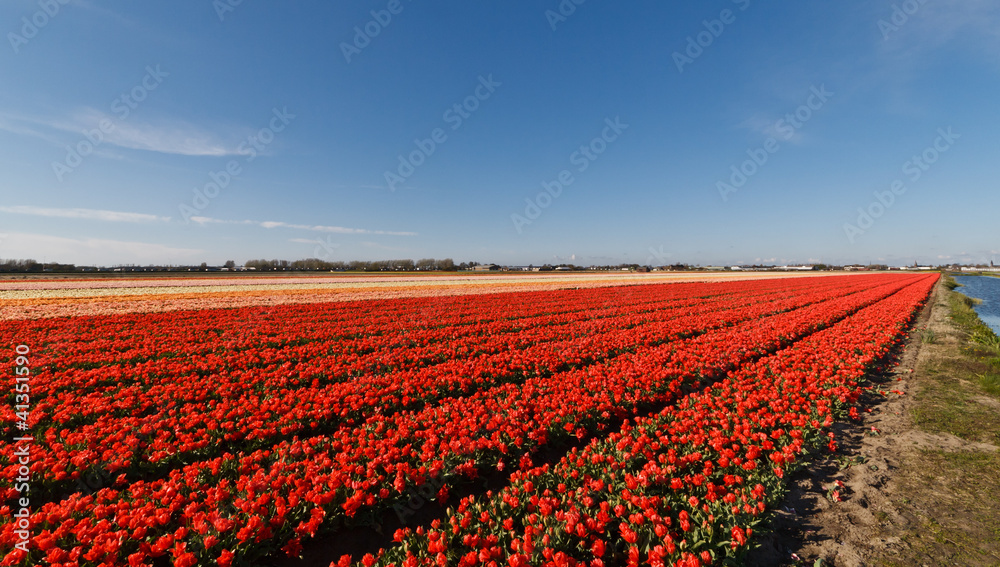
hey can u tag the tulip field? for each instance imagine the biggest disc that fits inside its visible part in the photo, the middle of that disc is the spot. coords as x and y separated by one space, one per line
650 424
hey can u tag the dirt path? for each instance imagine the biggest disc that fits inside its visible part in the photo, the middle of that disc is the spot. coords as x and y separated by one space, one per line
909 496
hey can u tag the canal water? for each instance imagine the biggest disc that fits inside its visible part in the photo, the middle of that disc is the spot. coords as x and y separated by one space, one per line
985 288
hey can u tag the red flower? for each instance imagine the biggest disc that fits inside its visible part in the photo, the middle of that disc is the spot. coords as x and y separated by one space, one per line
293 548
739 537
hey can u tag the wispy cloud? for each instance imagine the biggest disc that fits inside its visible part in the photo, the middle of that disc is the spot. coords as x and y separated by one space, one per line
316 228
23 127
47 248
937 23
87 214
175 137
904 50
973 25
118 18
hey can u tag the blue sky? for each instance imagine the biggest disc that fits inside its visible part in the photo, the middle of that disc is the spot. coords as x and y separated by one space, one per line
291 125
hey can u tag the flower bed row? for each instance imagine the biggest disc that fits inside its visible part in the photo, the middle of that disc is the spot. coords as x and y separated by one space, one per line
149 384
129 339
687 486
267 337
76 396
246 505
177 432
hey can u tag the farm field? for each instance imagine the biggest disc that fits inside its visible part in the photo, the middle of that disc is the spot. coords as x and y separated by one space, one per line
36 297
216 423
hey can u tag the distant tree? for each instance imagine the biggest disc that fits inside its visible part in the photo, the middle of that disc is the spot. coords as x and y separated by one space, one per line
259 265
203 267
230 264
446 265
20 266
56 267
310 264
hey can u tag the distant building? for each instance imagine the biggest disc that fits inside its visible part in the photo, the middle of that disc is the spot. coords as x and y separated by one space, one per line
486 268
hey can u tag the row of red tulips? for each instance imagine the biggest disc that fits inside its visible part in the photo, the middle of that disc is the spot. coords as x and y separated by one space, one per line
183 432
149 384
687 486
175 432
131 338
344 328
71 395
